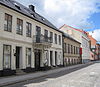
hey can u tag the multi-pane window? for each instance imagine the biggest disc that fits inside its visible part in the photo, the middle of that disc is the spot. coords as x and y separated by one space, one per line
6 56
46 35
78 50
19 29
55 38
74 50
8 23
59 40
51 37
68 48
65 50
28 57
71 49
28 29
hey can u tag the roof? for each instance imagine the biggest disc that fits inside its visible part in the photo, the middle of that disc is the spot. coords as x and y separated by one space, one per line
80 30
68 36
12 4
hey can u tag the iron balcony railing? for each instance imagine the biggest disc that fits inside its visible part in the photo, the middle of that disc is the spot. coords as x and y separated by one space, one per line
41 39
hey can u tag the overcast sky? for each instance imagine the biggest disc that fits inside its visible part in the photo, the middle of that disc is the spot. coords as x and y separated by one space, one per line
81 14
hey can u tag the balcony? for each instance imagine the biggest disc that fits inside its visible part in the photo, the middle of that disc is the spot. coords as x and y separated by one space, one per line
41 41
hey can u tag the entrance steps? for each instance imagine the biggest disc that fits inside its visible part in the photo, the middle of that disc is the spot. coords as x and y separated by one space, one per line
19 72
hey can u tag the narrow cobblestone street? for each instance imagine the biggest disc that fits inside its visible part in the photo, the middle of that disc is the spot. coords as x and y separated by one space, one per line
86 77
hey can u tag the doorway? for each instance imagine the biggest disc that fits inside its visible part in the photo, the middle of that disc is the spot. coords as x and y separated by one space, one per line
51 57
18 53
37 59
55 57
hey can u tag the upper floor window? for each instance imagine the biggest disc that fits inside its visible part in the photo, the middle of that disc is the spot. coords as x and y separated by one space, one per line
68 48
46 35
65 50
28 29
51 37
71 49
78 50
55 38
59 40
8 23
74 50
19 29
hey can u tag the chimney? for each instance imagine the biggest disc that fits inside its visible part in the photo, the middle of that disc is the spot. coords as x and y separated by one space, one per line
32 8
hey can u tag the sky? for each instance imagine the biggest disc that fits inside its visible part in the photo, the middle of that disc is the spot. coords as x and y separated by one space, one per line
80 14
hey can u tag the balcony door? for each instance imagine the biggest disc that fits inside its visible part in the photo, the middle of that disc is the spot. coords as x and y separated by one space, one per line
38 34
46 35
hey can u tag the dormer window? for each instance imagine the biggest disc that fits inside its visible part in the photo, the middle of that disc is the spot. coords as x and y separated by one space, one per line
32 15
17 6
43 19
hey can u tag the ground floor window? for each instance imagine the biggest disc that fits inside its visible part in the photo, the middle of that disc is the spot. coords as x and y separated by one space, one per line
28 57
6 56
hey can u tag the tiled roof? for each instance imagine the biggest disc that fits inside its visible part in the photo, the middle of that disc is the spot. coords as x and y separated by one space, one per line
80 30
12 4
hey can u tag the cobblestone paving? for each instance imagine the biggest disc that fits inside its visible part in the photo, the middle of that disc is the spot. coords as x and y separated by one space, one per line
86 77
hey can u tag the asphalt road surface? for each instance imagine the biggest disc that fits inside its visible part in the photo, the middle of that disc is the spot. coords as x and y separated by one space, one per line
85 77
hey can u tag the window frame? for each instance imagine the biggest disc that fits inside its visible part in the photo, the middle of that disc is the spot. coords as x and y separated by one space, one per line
27 60
46 35
65 49
10 56
55 38
19 24
68 48
59 39
7 20
28 29
51 37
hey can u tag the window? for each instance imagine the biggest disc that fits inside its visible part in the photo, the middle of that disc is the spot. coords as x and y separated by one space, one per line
51 37
28 57
28 29
19 29
68 48
74 50
6 56
78 50
65 50
59 40
71 49
46 35
55 38
8 23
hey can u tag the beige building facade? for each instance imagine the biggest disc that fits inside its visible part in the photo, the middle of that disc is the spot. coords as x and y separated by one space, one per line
27 43
71 50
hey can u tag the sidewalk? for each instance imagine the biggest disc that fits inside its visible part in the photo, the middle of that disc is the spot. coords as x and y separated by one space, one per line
4 81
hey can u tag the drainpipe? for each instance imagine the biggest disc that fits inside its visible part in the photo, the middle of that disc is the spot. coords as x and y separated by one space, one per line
63 48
